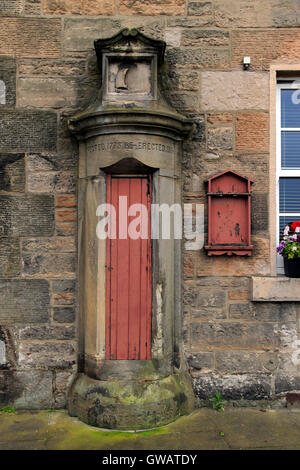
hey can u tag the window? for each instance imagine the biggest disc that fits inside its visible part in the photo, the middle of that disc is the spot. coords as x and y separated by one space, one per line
288 156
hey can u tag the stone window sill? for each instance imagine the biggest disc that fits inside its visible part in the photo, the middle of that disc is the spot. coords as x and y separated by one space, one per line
275 289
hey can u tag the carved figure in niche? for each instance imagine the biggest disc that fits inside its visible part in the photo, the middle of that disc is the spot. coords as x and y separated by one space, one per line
121 78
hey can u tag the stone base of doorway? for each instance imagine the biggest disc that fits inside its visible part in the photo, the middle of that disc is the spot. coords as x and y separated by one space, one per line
130 405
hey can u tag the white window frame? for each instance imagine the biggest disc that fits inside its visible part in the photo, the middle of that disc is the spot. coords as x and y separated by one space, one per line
280 172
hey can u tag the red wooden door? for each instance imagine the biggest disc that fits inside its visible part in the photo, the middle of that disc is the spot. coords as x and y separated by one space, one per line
128 274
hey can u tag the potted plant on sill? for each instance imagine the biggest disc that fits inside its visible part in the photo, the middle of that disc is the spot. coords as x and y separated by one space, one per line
289 248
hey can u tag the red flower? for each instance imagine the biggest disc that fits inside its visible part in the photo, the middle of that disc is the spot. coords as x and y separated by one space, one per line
295 225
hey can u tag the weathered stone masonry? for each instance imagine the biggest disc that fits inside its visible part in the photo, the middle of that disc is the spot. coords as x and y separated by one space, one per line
242 348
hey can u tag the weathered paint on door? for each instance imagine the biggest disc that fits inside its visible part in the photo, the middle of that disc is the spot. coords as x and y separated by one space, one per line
128 275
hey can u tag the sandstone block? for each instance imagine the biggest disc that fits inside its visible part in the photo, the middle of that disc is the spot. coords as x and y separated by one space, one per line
209 313
241 311
203 297
30 37
210 298
181 79
274 311
54 244
219 138
65 229
235 335
53 93
186 103
155 7
224 91
241 362
257 264
199 58
24 301
252 132
265 47
65 201
232 282
173 37
79 33
189 265
275 289
79 7
205 38
238 294
285 14
52 67
40 162
199 8
188 22
65 215
252 165
241 13
33 7
219 118
51 182
63 292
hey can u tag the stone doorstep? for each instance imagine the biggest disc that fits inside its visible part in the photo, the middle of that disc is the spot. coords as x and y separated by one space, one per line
275 289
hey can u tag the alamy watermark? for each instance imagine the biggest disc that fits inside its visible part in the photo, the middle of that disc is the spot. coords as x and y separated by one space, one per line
162 221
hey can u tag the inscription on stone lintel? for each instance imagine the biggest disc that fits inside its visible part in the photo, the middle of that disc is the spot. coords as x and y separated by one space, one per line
130 145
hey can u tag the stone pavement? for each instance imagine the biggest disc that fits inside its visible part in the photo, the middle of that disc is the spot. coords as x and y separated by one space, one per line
204 429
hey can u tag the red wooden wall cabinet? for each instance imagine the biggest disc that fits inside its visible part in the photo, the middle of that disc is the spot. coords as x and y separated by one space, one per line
229 215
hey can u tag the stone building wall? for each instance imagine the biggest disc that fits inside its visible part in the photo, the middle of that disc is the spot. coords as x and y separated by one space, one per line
48 72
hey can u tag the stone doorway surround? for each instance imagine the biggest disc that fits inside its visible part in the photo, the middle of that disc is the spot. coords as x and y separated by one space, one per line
130 129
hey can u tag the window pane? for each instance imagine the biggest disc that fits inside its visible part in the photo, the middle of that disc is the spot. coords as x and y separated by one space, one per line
284 220
289 195
290 108
290 149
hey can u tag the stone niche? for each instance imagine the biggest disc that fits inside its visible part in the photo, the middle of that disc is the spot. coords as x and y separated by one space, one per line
129 130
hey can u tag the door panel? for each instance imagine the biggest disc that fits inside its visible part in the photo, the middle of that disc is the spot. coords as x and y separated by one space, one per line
128 274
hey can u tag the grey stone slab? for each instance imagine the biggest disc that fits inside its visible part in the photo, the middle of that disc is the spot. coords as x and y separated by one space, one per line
64 315
24 301
29 130
47 332
26 215
9 257
11 7
47 355
233 387
27 389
